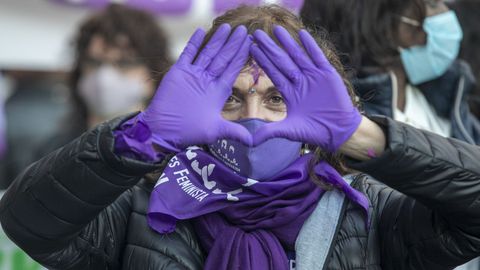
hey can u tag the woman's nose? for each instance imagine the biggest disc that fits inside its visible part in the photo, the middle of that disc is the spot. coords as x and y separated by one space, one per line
253 110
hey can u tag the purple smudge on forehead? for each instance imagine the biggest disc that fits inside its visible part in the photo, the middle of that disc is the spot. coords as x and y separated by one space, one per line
255 71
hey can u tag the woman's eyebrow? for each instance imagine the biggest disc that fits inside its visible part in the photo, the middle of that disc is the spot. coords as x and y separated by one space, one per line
272 89
238 93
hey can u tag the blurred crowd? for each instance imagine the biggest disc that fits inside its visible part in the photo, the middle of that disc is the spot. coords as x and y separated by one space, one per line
423 72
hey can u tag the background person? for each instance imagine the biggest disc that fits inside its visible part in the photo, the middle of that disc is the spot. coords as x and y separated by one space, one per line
116 69
404 56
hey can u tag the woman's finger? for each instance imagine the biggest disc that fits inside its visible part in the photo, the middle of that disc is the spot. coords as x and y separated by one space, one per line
277 55
312 48
228 51
294 50
230 73
271 130
191 49
235 131
277 77
213 46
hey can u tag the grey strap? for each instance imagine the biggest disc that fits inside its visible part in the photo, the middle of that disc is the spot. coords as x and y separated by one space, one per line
317 233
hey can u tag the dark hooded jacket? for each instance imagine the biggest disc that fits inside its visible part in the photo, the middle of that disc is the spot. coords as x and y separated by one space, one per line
83 207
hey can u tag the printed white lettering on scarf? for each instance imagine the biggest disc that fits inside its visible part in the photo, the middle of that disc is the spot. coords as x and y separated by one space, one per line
205 172
232 163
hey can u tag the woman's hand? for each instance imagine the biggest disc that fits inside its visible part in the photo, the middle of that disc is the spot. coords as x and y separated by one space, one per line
319 108
186 108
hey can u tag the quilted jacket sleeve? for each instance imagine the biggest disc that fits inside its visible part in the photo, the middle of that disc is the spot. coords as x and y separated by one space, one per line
431 218
54 210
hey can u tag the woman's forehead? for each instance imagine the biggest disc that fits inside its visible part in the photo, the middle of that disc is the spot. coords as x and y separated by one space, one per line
249 78
99 47
252 69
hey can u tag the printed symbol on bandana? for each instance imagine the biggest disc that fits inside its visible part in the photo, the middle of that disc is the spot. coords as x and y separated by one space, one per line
205 172
225 146
190 154
250 182
161 180
225 149
230 194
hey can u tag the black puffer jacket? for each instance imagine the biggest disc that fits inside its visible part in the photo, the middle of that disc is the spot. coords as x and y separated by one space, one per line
83 207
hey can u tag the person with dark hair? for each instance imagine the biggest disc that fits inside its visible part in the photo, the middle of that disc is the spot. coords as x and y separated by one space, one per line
403 60
248 157
120 54
468 14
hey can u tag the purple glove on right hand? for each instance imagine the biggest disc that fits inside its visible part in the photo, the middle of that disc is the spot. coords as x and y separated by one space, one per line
187 107
319 109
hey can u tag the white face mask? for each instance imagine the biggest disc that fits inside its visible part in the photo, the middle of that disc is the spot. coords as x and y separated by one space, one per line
108 93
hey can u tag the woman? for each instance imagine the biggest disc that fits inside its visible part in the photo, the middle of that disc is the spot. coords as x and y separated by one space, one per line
404 54
116 69
86 206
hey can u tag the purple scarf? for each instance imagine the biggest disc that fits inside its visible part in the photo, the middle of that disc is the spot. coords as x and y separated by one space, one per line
242 223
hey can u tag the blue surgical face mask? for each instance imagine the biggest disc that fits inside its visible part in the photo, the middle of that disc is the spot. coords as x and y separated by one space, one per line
261 162
428 62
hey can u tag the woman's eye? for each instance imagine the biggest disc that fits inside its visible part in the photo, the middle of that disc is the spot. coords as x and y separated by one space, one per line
232 103
231 99
276 100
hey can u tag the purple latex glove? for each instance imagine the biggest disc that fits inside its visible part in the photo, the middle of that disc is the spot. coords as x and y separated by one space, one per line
319 109
187 106
133 139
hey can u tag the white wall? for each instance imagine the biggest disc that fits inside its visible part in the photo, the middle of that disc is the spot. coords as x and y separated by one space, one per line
36 34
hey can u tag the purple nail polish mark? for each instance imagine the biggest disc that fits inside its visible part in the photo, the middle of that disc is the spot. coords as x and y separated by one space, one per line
371 153
255 71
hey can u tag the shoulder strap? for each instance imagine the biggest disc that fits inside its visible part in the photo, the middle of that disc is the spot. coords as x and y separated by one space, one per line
316 236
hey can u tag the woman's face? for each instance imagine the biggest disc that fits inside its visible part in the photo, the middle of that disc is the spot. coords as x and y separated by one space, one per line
121 57
113 80
254 96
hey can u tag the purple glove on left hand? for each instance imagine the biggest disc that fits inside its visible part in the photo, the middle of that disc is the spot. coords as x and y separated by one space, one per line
319 108
187 107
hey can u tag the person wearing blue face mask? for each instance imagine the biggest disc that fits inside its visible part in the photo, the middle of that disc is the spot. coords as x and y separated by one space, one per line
423 63
403 60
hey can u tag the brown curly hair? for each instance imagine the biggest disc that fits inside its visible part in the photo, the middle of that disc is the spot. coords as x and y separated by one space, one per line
264 18
146 38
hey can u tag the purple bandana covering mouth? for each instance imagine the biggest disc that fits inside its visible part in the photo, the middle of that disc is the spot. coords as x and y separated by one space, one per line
199 184
254 221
